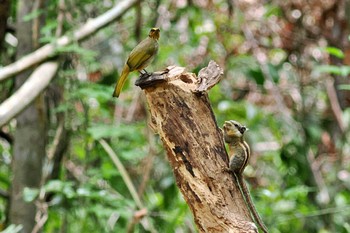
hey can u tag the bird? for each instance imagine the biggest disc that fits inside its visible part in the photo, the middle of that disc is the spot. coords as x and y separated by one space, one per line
139 58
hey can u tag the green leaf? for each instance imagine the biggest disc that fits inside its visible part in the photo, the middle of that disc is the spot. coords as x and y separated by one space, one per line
334 51
331 69
98 91
295 192
273 72
29 194
272 10
32 15
83 192
77 49
62 187
344 87
103 131
13 229
257 75
68 191
285 206
54 186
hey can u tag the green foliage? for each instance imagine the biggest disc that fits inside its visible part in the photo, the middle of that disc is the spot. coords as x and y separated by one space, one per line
34 14
335 52
274 87
12 229
344 87
337 70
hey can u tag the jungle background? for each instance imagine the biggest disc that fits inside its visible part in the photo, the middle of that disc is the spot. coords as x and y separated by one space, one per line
70 152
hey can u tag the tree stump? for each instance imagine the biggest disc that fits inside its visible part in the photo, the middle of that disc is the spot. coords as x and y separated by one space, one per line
182 116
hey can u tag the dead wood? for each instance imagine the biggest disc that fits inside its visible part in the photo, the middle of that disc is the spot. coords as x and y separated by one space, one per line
182 116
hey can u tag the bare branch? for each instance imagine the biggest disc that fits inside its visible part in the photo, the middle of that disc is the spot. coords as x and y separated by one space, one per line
35 84
335 105
49 50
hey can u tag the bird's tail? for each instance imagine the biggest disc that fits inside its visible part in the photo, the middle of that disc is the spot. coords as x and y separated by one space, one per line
121 81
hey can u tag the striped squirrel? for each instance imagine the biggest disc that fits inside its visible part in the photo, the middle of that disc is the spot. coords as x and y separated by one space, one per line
239 153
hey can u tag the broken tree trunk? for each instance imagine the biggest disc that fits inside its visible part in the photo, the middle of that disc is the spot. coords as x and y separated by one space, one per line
182 116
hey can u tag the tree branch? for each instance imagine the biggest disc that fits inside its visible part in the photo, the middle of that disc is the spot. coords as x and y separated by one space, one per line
182 116
42 76
35 84
49 50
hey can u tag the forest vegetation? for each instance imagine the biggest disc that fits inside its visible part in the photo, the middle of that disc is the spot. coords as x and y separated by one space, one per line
75 159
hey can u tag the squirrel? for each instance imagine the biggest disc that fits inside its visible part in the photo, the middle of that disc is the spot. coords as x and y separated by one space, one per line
239 153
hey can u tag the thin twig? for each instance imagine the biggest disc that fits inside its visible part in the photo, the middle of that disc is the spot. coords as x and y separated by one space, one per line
60 17
41 215
316 171
335 106
133 106
149 162
123 173
148 225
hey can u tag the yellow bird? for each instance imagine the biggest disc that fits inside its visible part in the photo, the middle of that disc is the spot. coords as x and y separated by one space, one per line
140 57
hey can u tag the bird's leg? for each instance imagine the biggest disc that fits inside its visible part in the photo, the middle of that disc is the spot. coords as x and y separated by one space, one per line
144 74
144 71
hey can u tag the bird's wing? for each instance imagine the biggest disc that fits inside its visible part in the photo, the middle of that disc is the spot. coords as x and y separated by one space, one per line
141 55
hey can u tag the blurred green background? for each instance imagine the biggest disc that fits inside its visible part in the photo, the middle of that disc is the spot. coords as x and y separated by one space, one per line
286 76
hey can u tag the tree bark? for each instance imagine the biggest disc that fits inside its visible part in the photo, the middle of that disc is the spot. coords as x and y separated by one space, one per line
182 116
4 13
30 136
28 92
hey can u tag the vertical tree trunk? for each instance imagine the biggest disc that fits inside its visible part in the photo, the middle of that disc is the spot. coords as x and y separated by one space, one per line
182 116
30 135
4 13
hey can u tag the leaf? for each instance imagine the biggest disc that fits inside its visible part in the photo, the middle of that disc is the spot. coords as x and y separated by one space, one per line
344 87
29 194
77 49
54 186
103 131
98 91
334 51
83 192
257 75
331 69
63 187
285 206
69 192
13 229
32 15
273 72
295 192
272 10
